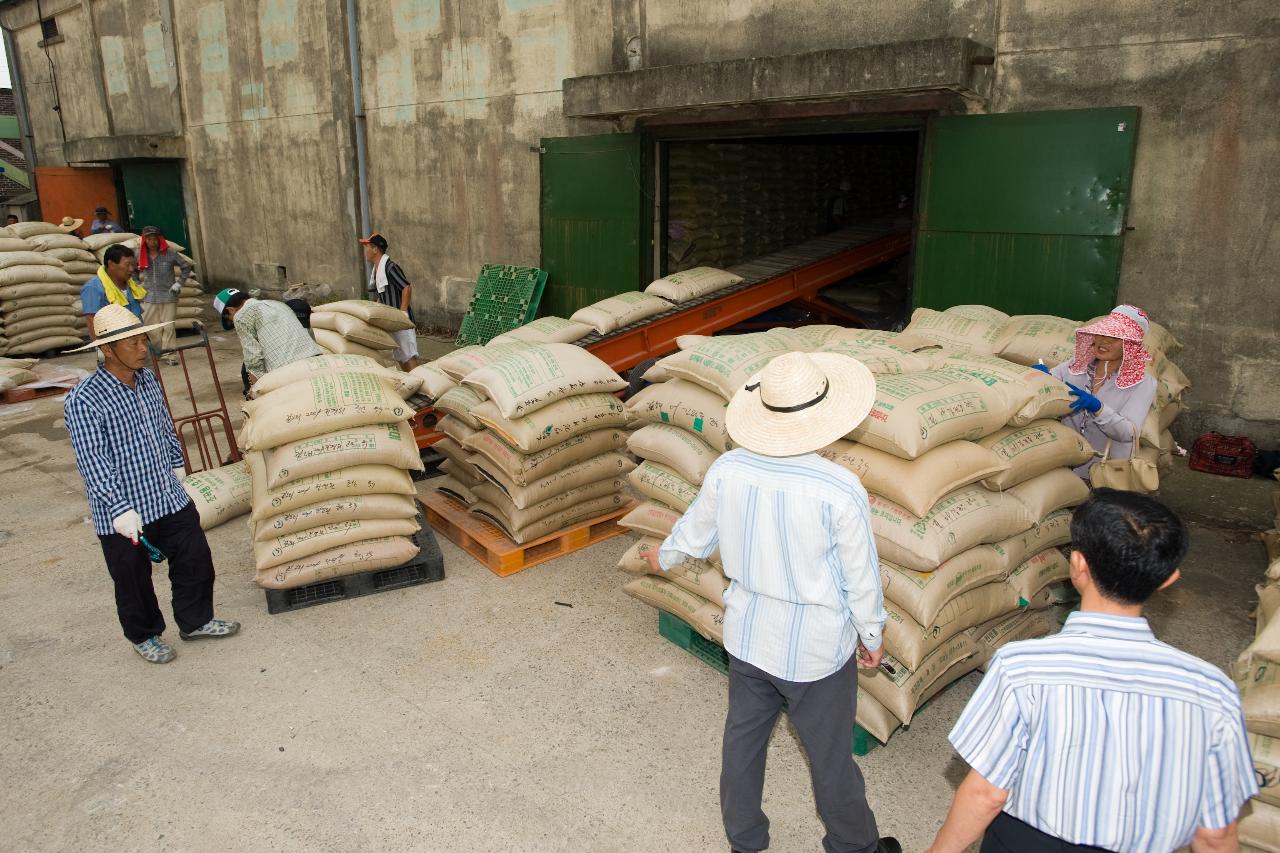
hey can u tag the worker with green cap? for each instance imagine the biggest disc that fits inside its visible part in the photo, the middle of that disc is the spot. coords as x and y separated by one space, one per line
271 335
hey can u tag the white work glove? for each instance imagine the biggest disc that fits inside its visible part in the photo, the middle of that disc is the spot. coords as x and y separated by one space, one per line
128 524
177 287
180 473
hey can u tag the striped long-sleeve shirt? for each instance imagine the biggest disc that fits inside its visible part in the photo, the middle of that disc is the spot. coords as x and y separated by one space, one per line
1105 736
125 448
795 538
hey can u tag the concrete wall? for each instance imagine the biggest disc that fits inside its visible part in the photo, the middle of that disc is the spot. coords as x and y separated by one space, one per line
458 94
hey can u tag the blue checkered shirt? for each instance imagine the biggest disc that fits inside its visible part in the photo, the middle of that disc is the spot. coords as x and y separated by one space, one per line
125 448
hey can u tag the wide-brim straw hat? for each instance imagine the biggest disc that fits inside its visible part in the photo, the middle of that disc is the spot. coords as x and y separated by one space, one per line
801 402
69 224
114 323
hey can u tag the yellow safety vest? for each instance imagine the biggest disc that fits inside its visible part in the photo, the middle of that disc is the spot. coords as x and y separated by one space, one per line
114 294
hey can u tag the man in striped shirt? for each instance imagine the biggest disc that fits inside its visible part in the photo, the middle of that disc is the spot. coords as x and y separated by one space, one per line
132 465
804 607
389 285
1102 737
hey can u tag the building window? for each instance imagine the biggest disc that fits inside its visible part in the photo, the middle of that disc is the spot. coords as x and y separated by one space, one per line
48 28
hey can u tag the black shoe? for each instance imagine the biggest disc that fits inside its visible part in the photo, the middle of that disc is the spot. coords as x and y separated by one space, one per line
888 844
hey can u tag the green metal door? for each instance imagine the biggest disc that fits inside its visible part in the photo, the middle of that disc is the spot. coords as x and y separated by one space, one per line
153 196
1025 211
592 219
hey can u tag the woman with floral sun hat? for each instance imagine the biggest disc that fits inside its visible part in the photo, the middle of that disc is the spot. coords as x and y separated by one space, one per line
1109 380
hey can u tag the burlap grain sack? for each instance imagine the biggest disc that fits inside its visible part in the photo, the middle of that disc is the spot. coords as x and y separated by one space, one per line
460 402
589 470
689 284
435 382
276 550
454 488
1051 491
724 364
375 444
1171 382
609 315
356 480
52 323
369 555
463 361
1051 531
1033 338
910 641
678 449
41 344
353 329
336 344
1032 394
583 511
32 312
1037 572
651 518
917 412
55 300
1033 450
922 595
1266 766
902 690
660 483
456 429
875 718
336 511
464 473
27 230
524 468
1158 420
1259 828
525 381
810 338
36 274
704 578
72 255
686 405
46 242
554 423
12 377
915 484
404 384
95 242
9 292
882 359
518 518
1268 604
1259 686
14 259
220 494
993 635
545 330
959 329
320 405
705 617
963 519
16 244
374 313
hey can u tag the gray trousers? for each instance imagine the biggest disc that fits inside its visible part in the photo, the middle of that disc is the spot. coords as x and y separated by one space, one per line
822 713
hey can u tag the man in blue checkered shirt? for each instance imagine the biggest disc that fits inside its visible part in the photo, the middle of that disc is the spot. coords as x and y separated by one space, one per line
131 461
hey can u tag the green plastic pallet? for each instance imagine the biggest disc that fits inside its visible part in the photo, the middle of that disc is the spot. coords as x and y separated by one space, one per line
678 632
506 297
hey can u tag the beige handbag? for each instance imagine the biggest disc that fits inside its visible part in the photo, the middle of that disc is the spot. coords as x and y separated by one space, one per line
1128 475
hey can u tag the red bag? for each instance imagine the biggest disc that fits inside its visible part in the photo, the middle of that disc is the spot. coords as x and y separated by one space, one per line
1228 455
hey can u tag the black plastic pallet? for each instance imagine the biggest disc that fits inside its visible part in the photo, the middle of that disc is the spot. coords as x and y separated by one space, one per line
426 567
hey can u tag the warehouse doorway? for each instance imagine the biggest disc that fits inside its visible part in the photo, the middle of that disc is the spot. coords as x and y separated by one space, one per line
153 196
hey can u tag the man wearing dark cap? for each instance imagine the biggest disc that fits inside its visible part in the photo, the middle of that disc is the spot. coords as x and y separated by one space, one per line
388 285
102 223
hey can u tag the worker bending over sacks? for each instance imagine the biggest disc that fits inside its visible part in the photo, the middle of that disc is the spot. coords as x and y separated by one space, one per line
271 335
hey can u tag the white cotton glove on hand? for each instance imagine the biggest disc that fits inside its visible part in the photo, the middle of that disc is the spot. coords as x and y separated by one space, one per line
128 524
177 288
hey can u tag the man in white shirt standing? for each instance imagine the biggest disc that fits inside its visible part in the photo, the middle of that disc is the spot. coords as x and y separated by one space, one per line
389 285
804 607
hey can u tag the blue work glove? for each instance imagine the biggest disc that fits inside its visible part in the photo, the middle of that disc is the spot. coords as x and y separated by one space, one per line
1084 401
1043 368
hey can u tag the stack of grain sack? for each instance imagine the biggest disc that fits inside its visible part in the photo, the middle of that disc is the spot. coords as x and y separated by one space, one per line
968 473
38 296
1031 338
220 494
329 455
616 312
533 428
1257 674
359 327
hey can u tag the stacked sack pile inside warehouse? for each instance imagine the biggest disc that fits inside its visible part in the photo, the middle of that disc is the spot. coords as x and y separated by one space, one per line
1257 674
534 431
358 327
39 296
967 467
329 451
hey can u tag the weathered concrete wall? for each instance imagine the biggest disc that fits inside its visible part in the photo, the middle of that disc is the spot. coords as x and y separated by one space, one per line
139 66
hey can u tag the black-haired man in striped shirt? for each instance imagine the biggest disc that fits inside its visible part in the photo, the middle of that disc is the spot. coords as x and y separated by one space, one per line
388 285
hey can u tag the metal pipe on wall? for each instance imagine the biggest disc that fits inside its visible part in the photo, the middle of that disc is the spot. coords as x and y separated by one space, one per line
357 92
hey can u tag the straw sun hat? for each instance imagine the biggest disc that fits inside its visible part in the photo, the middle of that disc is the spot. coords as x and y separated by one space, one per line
113 323
69 224
801 402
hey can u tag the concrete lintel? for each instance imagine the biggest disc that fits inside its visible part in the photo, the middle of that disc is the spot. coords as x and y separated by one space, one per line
931 65
102 148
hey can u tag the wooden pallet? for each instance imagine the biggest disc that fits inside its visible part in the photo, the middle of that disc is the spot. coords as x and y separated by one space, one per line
22 395
495 550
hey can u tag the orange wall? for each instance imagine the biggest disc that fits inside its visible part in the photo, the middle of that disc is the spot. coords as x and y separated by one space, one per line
75 192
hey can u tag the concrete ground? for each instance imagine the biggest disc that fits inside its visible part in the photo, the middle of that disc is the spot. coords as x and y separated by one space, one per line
474 714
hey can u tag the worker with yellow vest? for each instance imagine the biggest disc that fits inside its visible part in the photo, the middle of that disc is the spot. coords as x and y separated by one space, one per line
113 285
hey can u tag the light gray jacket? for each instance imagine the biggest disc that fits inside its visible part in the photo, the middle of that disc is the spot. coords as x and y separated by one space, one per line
1119 420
